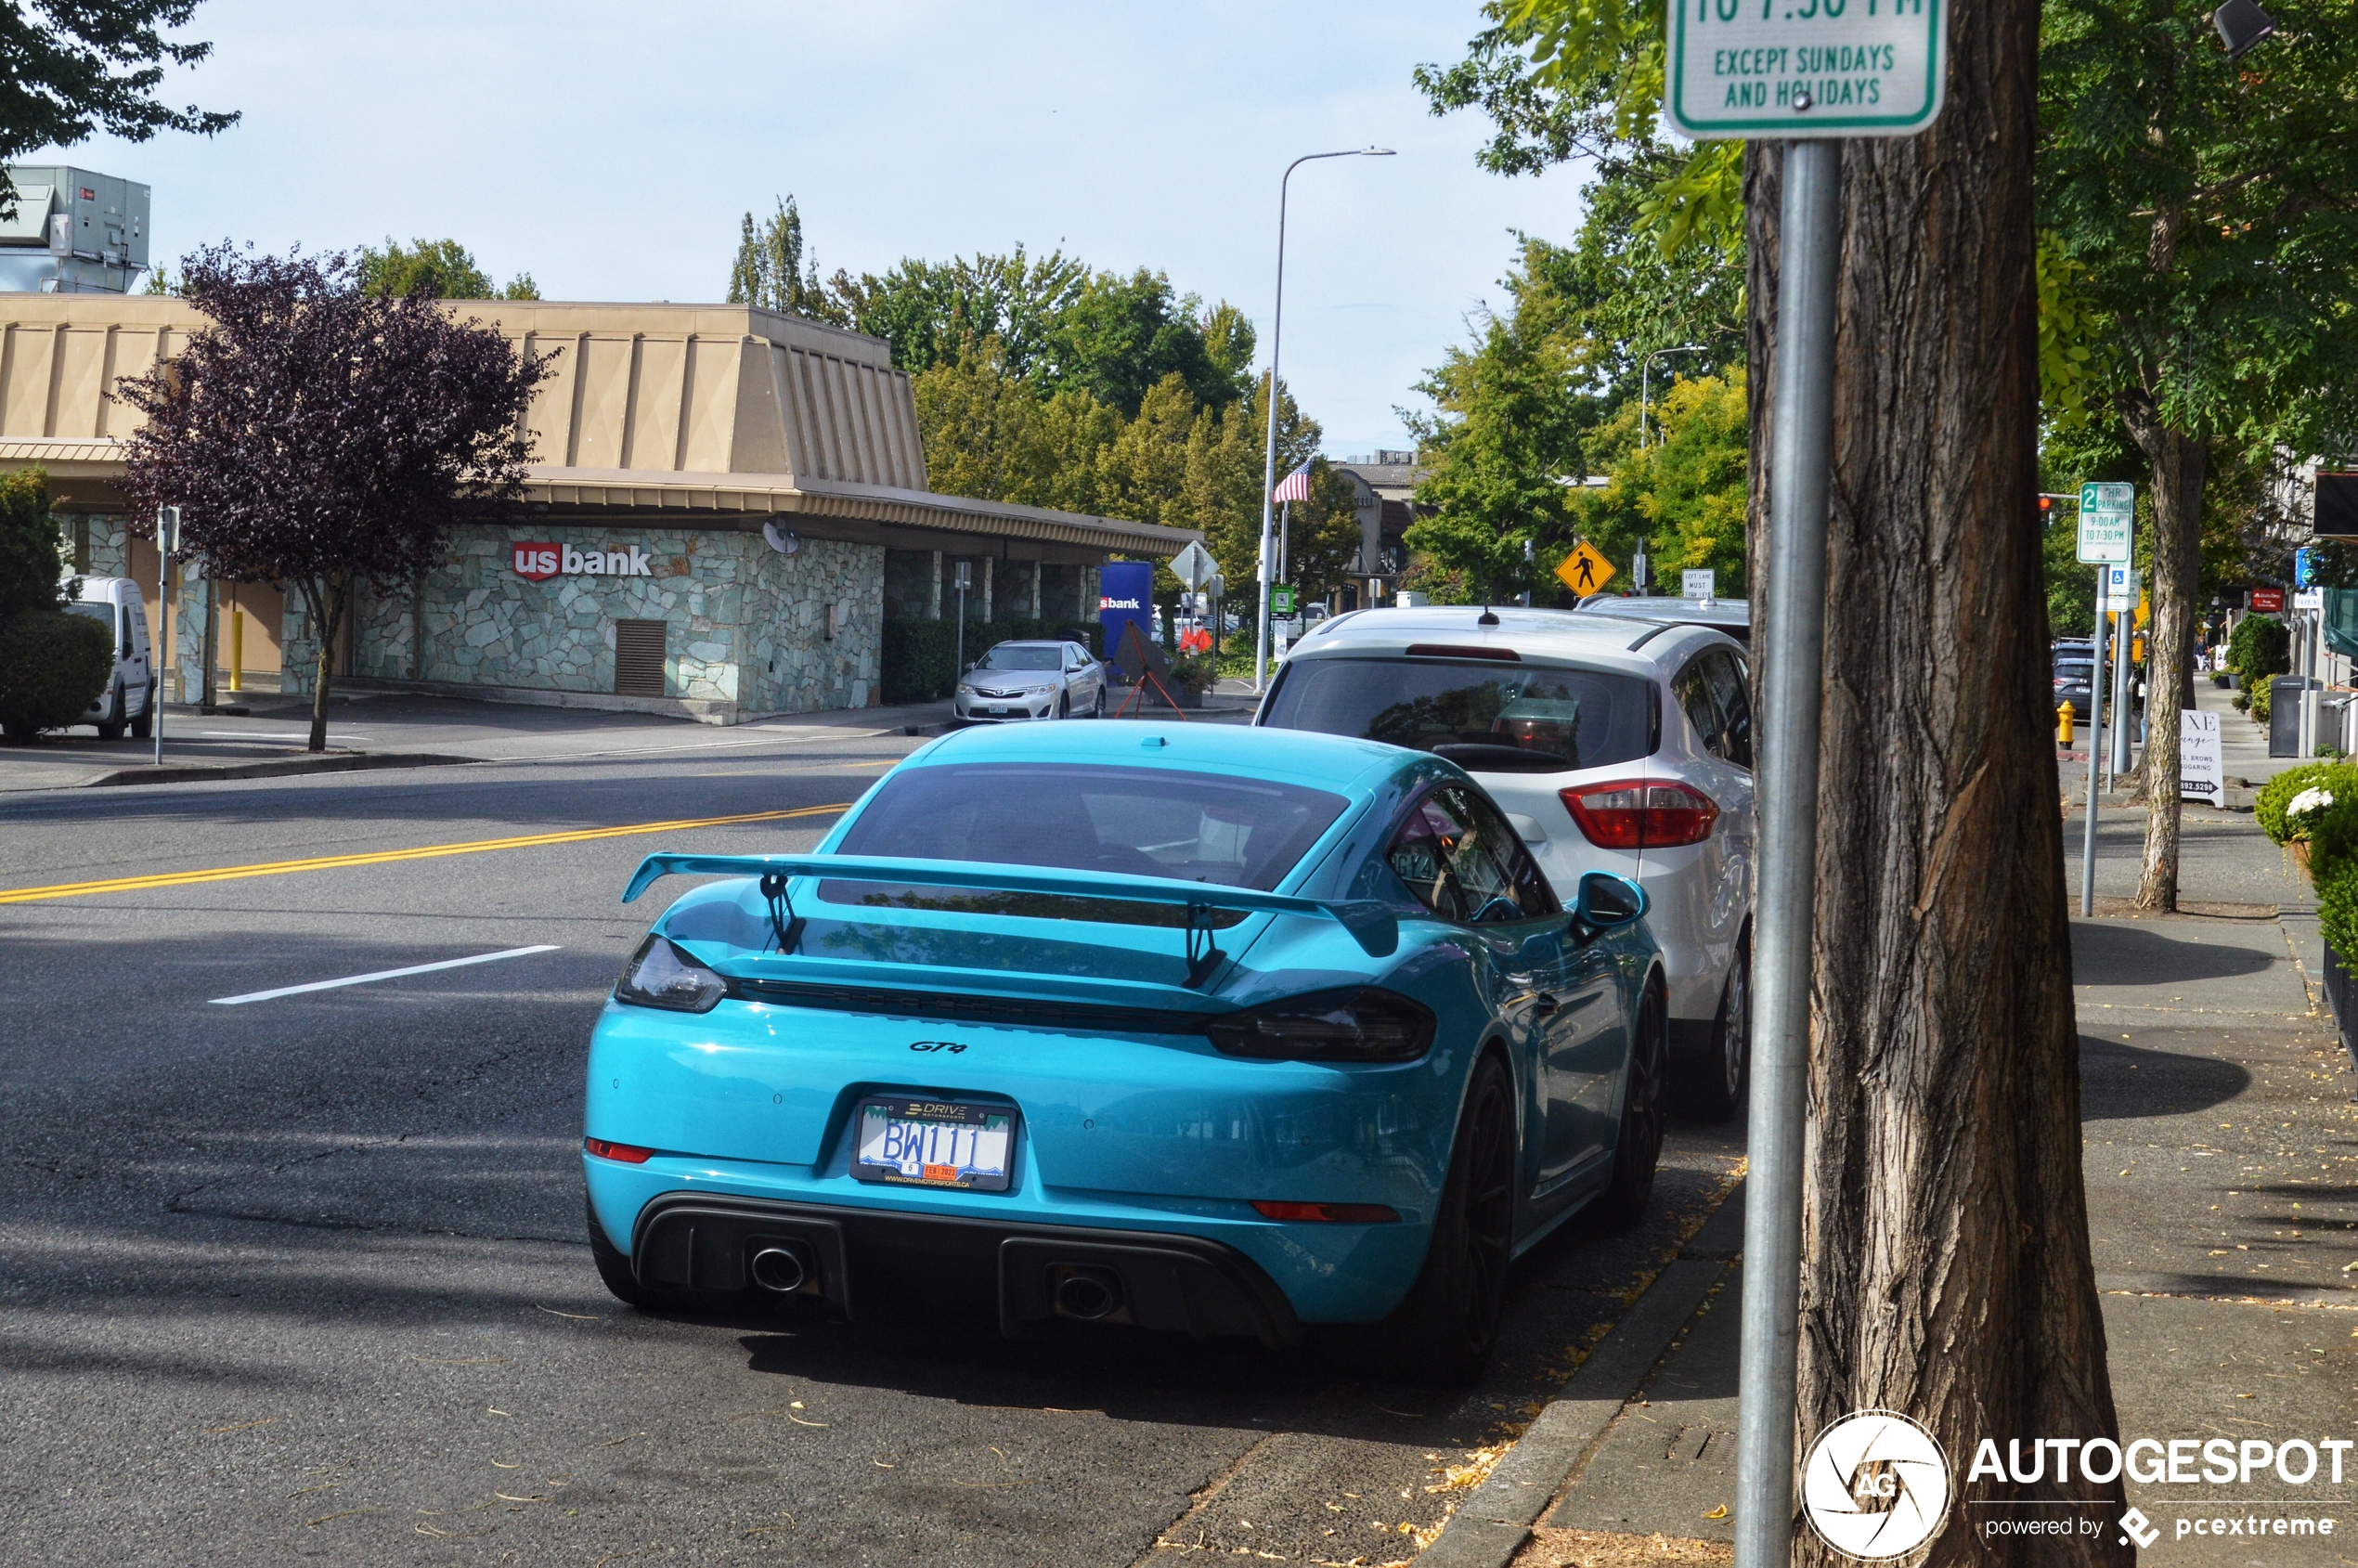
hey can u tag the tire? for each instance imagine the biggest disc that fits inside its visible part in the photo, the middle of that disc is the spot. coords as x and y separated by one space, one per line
1099 710
145 725
1064 705
1639 1149
110 727
1715 1086
1444 1330
615 1269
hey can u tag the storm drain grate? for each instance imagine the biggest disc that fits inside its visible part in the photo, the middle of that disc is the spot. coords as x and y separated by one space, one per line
638 659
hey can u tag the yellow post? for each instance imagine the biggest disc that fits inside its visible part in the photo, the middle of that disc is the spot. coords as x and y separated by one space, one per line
2063 725
237 647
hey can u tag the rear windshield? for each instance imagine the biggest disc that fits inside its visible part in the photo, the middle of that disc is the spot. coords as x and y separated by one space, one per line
1477 713
1129 821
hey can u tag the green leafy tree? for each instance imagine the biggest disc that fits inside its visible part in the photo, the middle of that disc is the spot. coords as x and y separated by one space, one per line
771 272
2204 204
1508 440
1061 327
78 66
32 550
440 269
1684 492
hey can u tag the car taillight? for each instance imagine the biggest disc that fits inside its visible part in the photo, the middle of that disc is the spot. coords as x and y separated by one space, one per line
1641 814
629 1154
1364 1025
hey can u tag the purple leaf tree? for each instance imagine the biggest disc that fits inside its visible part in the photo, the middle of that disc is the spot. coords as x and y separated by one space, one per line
318 438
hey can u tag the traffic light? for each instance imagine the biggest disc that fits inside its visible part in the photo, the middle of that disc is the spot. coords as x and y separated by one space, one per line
2046 511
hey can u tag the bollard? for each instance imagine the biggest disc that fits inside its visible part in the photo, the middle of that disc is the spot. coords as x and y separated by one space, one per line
237 648
2063 724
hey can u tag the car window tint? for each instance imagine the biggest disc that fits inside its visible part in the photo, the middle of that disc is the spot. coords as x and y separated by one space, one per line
1144 822
1526 886
1692 686
1587 717
1009 655
1734 699
1455 856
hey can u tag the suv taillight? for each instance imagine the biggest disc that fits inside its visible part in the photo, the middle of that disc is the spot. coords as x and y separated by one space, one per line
1640 813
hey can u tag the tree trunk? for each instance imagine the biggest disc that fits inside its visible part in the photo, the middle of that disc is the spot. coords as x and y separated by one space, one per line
328 600
2179 463
1946 1270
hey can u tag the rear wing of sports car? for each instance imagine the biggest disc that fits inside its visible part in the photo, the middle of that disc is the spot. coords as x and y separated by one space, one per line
1370 924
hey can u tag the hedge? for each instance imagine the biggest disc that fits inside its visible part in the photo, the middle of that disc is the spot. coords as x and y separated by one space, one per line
921 656
2261 647
53 666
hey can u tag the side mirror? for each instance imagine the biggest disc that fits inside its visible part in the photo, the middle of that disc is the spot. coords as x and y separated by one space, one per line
1608 900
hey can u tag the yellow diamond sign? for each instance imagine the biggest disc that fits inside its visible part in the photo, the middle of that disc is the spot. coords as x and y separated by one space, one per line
1585 570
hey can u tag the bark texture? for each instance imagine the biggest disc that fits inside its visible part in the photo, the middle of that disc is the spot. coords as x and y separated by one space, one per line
2180 464
1946 1271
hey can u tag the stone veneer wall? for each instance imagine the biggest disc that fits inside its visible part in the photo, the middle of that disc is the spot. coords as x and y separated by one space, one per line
747 625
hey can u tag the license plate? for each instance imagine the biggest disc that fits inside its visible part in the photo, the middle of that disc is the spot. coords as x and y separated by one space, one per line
934 1143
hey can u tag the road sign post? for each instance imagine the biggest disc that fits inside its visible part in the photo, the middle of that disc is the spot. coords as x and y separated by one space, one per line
2096 753
1802 71
167 541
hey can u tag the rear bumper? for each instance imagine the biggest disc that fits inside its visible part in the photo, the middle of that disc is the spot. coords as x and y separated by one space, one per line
852 1258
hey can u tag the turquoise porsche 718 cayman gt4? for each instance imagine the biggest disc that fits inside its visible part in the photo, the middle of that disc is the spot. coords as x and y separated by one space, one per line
1210 1030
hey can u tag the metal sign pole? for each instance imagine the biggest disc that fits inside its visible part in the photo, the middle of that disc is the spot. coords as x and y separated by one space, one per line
2095 748
1809 264
2124 709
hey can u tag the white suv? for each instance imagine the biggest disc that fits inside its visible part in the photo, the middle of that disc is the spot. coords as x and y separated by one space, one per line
1612 744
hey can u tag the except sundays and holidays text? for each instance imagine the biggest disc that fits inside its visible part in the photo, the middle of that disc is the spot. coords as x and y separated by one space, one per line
1827 90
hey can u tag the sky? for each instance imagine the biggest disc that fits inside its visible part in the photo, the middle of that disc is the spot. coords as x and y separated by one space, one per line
611 149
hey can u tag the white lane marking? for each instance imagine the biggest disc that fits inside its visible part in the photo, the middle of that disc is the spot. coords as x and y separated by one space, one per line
382 974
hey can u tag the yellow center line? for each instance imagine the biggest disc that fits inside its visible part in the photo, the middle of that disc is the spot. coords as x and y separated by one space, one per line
379 857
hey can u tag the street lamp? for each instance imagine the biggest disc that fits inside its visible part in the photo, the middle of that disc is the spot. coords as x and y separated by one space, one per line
1645 370
2240 24
1269 461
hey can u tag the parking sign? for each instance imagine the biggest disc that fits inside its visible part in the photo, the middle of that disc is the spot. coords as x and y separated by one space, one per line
1806 68
2107 523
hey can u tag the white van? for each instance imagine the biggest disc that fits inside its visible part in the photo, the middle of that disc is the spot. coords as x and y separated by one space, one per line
129 700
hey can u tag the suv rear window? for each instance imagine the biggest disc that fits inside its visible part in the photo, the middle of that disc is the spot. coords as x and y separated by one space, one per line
1482 714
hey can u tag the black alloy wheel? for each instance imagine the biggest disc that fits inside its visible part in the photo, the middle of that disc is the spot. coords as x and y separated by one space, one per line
1716 1085
1639 1149
1450 1320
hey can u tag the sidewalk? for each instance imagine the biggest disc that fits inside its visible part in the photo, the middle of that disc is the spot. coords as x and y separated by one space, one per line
2222 1171
369 728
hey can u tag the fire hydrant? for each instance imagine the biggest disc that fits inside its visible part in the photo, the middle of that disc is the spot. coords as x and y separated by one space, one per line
2063 725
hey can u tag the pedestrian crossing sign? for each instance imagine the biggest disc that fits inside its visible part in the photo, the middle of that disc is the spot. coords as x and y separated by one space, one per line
1585 570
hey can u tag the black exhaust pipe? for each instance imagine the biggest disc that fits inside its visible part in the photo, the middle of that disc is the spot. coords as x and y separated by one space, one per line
779 1269
1089 1293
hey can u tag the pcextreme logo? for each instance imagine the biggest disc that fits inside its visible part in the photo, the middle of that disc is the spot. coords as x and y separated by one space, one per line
538 561
1875 1485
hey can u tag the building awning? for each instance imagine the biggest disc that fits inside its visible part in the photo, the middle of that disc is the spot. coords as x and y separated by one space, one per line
708 410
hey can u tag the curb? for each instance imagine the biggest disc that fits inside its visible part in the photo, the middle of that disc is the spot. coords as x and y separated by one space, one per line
1491 1525
216 772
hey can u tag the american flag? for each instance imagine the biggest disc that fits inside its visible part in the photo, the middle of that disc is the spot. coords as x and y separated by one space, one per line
1294 486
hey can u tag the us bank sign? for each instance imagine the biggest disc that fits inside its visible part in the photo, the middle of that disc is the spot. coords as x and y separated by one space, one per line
538 563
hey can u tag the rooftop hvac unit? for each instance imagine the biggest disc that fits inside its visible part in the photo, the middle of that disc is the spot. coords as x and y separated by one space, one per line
74 231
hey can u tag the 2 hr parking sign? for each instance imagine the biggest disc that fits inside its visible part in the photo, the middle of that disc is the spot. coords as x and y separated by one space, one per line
1806 68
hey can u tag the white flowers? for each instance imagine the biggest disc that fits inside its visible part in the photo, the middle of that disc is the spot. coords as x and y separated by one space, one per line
2308 802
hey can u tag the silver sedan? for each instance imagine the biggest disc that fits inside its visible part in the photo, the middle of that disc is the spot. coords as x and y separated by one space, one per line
1023 680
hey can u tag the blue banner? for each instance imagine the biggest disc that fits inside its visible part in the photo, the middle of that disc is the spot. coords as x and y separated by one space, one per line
1125 593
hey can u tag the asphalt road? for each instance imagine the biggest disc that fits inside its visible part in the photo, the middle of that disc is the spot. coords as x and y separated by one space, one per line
303 1279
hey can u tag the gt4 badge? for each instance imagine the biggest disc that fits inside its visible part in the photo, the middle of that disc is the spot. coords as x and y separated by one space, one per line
950 1045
